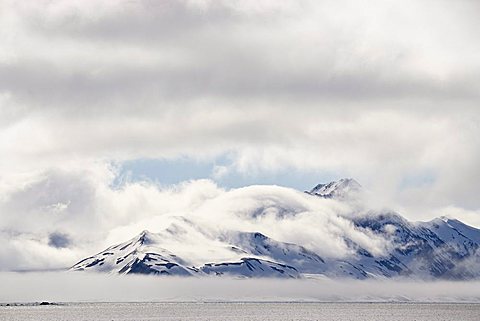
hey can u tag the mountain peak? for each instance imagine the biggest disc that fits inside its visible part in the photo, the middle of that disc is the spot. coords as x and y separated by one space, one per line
336 189
145 237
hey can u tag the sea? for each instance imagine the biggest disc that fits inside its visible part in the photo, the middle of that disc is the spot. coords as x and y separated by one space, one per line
242 311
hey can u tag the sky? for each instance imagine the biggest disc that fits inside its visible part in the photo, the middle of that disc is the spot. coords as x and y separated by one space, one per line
111 109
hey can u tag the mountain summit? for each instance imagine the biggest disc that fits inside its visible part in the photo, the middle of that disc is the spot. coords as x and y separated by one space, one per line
337 189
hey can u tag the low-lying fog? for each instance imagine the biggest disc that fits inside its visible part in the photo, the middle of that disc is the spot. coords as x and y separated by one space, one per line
71 287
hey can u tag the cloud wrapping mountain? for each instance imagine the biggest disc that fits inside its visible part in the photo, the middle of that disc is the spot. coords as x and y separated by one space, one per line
439 249
426 256
385 92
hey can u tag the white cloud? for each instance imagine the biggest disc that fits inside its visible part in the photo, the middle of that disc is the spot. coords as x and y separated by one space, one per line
83 211
94 215
380 92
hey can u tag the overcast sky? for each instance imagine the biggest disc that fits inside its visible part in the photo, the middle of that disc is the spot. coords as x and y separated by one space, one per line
109 100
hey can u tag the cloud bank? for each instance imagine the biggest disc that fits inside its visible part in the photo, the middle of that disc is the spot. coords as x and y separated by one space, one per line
71 287
69 215
387 93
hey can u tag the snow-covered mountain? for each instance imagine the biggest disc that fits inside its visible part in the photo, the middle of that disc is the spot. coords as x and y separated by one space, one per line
442 248
144 255
341 189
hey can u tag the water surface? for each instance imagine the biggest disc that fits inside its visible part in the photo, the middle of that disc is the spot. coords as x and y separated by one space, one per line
244 312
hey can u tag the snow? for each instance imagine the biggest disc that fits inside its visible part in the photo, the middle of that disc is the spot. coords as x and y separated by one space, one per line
337 189
442 248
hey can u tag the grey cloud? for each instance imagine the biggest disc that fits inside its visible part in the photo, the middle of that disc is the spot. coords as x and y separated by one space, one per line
133 21
58 240
177 51
54 191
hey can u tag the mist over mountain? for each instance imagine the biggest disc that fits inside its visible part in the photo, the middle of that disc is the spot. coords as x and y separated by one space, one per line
268 231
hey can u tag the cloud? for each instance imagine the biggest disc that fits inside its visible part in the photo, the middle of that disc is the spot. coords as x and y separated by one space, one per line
37 287
93 214
219 171
58 240
381 92
58 217
179 50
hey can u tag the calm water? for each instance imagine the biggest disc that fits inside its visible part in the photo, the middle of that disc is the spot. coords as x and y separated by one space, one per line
244 312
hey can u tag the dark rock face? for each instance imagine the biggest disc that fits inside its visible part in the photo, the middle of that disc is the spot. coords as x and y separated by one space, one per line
251 267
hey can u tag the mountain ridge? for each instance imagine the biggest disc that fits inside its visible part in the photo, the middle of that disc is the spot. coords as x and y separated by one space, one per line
442 248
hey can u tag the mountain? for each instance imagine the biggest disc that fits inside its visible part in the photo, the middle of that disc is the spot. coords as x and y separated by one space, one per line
435 249
439 249
144 254
140 255
341 189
